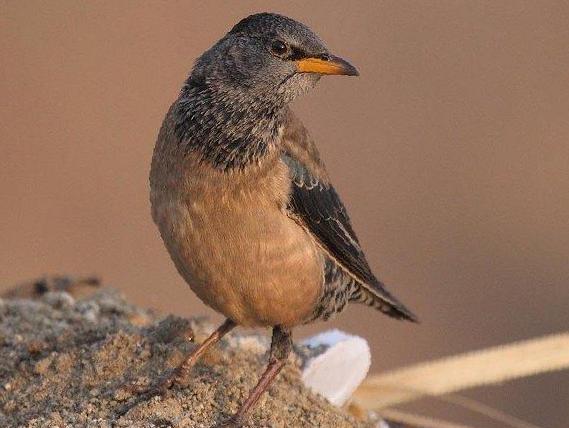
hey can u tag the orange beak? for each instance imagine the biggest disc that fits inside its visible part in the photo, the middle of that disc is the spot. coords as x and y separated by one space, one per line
329 65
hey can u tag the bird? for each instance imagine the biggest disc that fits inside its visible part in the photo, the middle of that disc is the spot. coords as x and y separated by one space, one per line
243 201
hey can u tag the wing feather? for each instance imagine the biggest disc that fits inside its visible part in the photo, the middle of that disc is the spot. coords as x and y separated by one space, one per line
315 204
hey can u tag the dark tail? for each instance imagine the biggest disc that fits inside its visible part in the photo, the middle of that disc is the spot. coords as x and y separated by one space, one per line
377 296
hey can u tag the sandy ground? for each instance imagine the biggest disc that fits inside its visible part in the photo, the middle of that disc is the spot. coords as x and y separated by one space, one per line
68 363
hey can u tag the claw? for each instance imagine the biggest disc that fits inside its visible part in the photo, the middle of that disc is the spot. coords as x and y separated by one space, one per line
232 422
161 387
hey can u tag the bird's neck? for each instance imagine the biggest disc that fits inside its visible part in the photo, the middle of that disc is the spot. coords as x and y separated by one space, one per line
227 128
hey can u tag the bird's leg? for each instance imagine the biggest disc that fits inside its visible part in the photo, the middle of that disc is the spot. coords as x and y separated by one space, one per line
281 345
179 372
184 368
182 371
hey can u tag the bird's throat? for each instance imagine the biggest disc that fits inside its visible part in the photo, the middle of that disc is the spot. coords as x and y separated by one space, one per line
226 130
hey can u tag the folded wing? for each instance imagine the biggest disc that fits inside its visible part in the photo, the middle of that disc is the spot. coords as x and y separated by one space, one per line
315 205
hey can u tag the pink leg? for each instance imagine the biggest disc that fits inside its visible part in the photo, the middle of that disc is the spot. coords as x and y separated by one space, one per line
183 370
281 346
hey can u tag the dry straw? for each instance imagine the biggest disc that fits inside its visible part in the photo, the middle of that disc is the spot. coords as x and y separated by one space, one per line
413 420
449 375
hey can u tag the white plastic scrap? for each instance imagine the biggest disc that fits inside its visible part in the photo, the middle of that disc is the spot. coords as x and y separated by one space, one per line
340 368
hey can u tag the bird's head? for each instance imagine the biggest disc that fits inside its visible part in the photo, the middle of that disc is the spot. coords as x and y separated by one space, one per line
268 57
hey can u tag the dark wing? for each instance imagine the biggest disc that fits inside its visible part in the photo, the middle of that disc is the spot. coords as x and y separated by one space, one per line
315 204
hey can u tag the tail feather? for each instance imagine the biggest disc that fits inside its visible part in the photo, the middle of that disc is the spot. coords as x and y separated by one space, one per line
377 296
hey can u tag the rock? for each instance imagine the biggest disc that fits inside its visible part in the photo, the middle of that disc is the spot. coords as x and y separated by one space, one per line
74 286
73 362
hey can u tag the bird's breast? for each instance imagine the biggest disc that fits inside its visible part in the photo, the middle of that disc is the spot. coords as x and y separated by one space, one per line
232 241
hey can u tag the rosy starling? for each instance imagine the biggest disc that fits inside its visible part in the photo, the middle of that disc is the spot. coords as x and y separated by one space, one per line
243 201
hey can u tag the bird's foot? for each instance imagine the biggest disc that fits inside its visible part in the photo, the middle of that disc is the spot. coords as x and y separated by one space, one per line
234 421
159 388
164 383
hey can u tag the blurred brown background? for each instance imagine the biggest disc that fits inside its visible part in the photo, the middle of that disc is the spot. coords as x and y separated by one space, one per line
451 152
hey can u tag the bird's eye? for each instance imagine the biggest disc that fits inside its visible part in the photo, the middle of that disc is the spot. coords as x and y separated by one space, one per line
279 48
